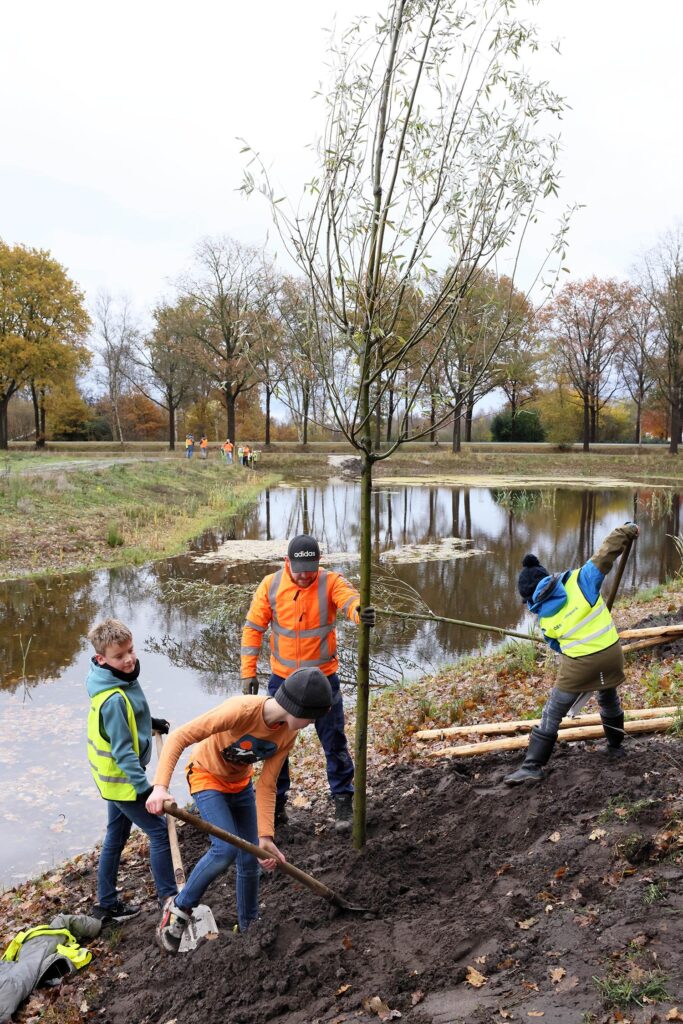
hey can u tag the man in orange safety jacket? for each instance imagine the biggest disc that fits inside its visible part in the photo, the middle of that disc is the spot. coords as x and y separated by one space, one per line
300 604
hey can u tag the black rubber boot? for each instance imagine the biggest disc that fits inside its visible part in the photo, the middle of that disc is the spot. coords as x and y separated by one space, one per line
614 732
343 812
538 754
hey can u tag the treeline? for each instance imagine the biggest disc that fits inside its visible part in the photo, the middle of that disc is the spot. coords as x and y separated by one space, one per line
601 360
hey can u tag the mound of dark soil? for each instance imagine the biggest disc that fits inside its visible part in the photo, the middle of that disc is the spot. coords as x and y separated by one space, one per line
487 904
673 618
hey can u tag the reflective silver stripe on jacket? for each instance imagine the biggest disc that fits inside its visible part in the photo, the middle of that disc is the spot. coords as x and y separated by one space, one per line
586 639
119 779
323 610
102 753
250 650
272 595
252 625
598 610
312 663
352 600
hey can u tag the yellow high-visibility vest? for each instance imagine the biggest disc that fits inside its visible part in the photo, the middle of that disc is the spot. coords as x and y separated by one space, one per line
111 780
579 627
70 948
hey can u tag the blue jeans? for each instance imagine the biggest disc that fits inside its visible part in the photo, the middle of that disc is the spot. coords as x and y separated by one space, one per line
121 816
236 813
559 703
330 730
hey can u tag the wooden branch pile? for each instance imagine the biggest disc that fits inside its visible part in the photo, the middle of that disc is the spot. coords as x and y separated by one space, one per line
585 727
651 636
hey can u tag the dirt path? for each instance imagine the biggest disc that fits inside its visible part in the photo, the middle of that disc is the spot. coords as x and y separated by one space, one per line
87 463
530 894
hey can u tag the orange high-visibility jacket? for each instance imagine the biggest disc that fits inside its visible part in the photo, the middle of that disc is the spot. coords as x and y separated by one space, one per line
302 620
204 443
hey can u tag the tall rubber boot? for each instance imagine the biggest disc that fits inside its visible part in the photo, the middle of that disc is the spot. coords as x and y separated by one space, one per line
538 754
614 732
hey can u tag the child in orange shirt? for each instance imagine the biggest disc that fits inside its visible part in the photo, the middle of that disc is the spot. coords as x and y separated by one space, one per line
231 739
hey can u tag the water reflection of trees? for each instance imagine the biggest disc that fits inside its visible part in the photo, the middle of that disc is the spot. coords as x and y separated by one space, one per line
49 617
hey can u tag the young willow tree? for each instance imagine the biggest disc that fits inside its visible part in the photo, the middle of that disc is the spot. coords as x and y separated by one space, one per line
436 148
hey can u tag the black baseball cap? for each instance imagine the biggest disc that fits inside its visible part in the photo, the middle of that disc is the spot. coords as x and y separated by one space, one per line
304 553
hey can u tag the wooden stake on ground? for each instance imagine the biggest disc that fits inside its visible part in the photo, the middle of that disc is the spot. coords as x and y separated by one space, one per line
654 641
526 724
588 732
631 634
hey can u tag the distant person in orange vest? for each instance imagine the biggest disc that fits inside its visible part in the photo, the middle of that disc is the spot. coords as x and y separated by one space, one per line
204 447
245 455
300 603
227 451
189 446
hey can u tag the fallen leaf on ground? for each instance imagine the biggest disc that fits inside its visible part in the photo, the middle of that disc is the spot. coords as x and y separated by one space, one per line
554 837
347 942
474 977
528 923
378 1006
505 1014
561 872
530 986
597 833
536 1013
121 976
342 989
556 973
674 1014
568 983
480 959
417 997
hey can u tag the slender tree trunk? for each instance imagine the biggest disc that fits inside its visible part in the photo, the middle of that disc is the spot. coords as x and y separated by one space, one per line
432 417
378 426
305 410
267 437
363 671
390 413
230 399
639 415
36 413
468 418
586 424
171 424
40 440
457 427
4 402
675 424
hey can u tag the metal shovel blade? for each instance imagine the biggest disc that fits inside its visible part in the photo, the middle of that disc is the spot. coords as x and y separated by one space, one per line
202 926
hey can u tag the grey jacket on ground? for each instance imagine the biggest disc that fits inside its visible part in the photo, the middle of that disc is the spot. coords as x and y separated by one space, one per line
37 957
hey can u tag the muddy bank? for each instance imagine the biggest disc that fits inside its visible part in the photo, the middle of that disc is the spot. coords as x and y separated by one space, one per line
485 904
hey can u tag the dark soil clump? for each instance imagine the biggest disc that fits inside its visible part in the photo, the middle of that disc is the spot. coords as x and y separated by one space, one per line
481 899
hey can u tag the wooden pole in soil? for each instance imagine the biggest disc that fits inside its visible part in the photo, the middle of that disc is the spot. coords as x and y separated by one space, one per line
619 573
527 724
587 732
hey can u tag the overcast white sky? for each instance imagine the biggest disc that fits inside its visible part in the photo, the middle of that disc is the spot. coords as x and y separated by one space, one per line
120 120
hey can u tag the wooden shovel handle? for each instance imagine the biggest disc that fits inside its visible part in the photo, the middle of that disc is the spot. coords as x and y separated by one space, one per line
178 869
289 869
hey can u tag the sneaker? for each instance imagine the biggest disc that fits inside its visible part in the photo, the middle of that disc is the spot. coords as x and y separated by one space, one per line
173 923
119 911
343 812
281 816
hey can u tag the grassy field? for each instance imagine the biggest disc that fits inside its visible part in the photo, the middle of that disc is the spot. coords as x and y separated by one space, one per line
118 514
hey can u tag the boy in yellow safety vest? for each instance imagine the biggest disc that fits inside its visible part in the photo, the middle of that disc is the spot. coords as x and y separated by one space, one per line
577 624
119 749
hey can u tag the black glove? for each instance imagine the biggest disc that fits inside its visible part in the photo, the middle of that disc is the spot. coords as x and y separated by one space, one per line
250 686
160 725
368 616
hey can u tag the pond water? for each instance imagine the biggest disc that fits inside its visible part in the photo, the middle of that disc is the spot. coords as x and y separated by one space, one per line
49 808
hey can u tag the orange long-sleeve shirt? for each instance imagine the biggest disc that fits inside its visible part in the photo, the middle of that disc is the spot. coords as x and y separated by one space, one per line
231 738
302 620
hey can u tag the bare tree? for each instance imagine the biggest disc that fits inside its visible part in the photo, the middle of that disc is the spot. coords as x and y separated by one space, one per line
165 360
636 355
435 141
226 288
581 329
116 335
663 282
